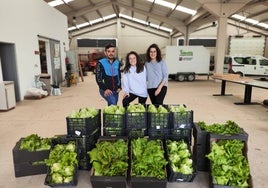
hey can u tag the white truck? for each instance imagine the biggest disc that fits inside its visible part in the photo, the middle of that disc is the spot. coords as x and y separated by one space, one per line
185 62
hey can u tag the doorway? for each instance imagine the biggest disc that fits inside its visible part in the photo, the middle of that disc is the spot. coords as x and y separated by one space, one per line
9 66
43 56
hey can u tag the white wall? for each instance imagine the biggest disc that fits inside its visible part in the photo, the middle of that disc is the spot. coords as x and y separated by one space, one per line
21 22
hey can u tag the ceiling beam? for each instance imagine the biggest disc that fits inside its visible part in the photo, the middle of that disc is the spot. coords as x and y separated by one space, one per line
247 28
257 14
172 22
201 12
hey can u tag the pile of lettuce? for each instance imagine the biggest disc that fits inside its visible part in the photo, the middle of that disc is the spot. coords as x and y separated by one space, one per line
154 109
136 108
109 158
158 117
228 128
182 117
229 166
84 113
114 109
62 163
148 158
114 116
180 157
34 142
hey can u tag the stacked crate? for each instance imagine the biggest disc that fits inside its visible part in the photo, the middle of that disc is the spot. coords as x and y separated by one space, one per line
136 122
181 123
202 145
114 124
200 148
86 131
158 123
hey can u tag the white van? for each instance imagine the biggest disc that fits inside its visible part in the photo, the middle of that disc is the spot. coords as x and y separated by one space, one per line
246 65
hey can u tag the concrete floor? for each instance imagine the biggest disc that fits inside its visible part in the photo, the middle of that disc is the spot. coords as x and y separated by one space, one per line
46 117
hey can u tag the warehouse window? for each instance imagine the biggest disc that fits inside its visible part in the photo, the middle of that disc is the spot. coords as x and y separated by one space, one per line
199 42
97 43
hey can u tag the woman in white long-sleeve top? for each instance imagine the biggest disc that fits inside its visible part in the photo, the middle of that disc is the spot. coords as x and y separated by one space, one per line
134 80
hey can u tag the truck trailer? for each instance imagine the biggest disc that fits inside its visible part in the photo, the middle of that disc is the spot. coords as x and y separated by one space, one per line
185 62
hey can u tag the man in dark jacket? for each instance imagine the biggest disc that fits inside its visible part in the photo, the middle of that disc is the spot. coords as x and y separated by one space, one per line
108 76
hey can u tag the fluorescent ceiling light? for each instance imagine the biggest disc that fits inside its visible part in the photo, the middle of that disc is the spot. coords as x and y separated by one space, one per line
96 21
83 24
58 2
123 16
145 23
139 21
263 25
71 28
109 16
186 10
249 20
238 17
172 6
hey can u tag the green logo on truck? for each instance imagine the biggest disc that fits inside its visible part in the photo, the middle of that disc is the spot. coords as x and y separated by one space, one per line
185 56
185 53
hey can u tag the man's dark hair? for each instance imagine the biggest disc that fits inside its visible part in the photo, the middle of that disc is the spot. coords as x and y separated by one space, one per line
109 46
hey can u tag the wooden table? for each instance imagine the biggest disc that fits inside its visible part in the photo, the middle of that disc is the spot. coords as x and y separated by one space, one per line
248 82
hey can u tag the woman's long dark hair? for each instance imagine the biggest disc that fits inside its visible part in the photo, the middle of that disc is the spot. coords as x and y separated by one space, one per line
139 64
158 53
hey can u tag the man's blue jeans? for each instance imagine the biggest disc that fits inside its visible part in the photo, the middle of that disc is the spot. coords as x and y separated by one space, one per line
111 99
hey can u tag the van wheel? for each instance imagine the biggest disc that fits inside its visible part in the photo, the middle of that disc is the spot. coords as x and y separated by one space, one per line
180 77
240 73
191 77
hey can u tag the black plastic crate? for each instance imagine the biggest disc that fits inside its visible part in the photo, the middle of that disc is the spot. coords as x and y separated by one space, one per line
244 150
158 133
23 161
212 185
181 120
108 182
25 156
136 133
72 183
82 126
179 177
136 120
199 157
28 169
147 182
112 131
85 144
54 142
158 121
176 176
200 136
243 136
185 133
114 121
